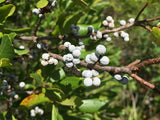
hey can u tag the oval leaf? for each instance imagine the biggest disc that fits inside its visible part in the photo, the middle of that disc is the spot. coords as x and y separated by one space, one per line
156 35
42 3
91 105
34 100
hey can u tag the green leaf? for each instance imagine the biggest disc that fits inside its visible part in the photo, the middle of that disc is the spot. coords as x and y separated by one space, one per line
54 94
54 113
1 35
1 1
71 19
156 35
21 52
37 78
91 105
34 99
72 101
20 30
13 118
6 11
5 63
6 47
42 3
73 81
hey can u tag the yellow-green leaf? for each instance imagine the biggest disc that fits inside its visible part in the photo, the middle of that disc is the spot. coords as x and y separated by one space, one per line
42 3
5 63
6 11
156 35
34 100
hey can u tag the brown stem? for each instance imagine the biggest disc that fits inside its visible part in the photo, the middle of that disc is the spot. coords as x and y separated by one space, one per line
149 85
140 12
36 27
146 63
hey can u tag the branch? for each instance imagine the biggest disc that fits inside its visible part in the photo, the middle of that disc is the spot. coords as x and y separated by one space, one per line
97 67
146 63
139 79
36 27
141 11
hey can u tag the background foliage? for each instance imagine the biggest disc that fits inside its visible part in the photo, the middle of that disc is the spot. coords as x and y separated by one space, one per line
63 95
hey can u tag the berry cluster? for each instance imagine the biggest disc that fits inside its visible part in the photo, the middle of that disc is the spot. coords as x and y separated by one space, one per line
89 81
40 11
42 46
35 111
109 23
121 78
5 87
22 84
95 57
47 59
74 30
95 34
72 59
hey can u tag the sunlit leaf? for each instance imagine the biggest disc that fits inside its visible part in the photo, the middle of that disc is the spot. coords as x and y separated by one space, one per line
91 105
21 52
34 100
42 3
5 63
6 11
156 35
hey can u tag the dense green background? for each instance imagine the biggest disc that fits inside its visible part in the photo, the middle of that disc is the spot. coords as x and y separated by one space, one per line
71 99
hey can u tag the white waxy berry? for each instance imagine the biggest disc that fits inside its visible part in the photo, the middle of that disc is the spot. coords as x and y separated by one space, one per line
67 44
45 56
124 34
104 60
95 73
39 45
36 11
111 25
122 22
116 34
100 49
16 96
4 83
131 20
118 76
105 35
108 39
71 48
124 80
87 73
126 39
96 81
80 42
93 37
40 111
78 48
21 47
32 112
69 57
54 3
76 61
88 60
109 18
55 61
105 23
44 63
99 35
76 53
94 57
87 82
21 84
69 64
51 60
41 16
